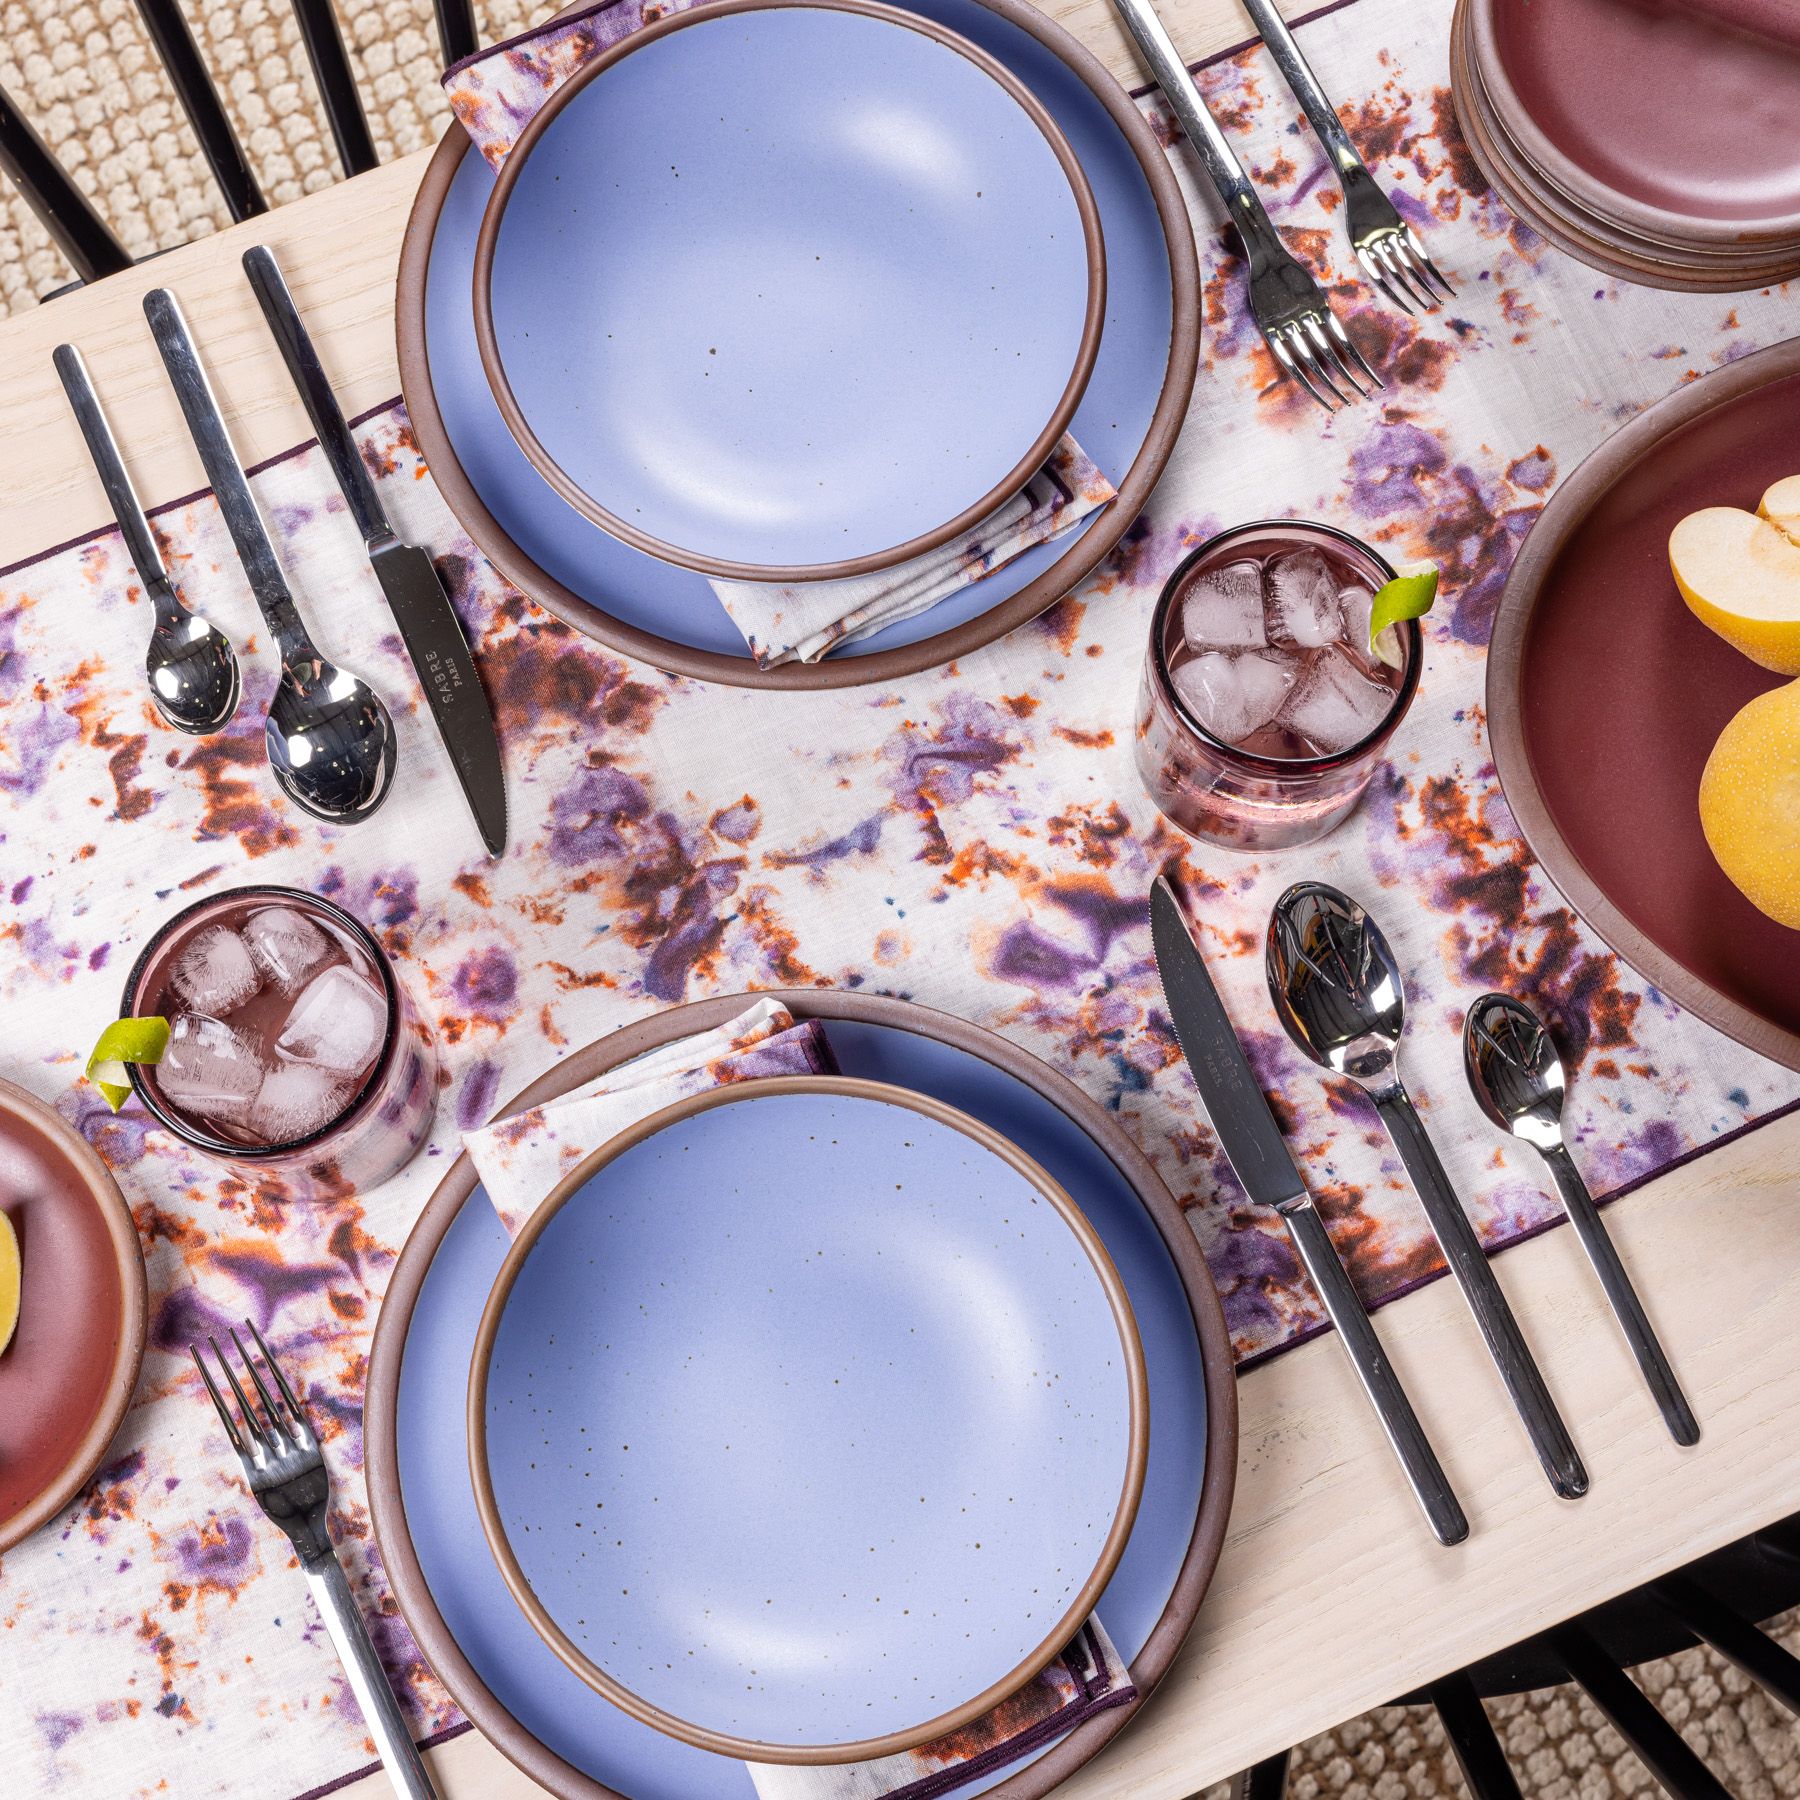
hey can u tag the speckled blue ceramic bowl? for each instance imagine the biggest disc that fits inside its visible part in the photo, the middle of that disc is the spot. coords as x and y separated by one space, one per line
807 1420
789 290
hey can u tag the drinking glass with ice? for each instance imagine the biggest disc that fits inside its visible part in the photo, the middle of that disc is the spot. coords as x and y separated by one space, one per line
292 1047
1264 710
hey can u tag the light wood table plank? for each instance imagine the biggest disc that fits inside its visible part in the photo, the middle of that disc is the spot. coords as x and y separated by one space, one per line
1331 1596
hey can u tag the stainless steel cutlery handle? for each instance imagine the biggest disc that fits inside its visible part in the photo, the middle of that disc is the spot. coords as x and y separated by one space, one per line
322 409
1469 1264
1633 1320
1296 72
121 496
1227 173
1430 1485
231 487
368 1680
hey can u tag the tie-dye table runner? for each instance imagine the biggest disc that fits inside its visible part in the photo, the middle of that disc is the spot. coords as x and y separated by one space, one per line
974 838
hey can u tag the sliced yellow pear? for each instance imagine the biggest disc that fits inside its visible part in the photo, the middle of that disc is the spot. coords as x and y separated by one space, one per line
1740 575
1781 505
9 1280
1750 803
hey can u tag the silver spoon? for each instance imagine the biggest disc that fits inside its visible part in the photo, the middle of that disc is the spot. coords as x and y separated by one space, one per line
330 740
193 670
1337 989
1517 1078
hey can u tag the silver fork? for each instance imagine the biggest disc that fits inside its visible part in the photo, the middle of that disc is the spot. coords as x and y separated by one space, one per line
1289 307
1387 247
287 1476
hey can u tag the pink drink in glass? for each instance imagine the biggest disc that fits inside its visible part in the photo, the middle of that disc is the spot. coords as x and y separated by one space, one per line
1263 713
293 1049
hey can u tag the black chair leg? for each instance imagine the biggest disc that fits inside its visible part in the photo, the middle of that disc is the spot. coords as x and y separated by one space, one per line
1265 1781
174 42
80 233
1781 1543
1752 1650
1657 1744
1473 1740
456 29
337 85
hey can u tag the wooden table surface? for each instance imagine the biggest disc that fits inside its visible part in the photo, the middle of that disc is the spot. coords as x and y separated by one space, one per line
1331 1597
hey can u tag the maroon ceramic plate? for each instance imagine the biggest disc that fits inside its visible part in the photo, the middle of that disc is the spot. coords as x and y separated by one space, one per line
1605 697
1675 119
1561 221
66 1377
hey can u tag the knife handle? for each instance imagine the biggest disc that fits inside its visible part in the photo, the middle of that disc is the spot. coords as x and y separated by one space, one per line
121 496
1430 1485
322 409
1475 1276
230 485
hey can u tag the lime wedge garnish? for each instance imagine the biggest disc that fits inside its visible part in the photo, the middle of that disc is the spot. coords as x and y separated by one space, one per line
1405 597
125 1041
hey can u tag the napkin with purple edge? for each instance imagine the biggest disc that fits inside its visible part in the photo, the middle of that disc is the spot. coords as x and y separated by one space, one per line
521 1158
494 95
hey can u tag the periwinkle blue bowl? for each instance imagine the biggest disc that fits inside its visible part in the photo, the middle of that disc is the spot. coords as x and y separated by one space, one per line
790 289
808 1420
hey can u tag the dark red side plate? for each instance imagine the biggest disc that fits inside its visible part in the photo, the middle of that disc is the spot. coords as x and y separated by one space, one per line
66 1377
1605 697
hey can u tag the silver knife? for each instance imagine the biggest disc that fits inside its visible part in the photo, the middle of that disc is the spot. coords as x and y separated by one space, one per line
415 594
1252 1141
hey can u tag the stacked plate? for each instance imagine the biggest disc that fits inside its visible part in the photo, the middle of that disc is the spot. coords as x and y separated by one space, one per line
1652 139
806 1421
781 291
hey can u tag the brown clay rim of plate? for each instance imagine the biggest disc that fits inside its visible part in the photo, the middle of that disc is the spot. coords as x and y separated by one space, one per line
1563 234
1777 232
133 1322
1081 557
1137 1451
1543 544
387 1508
1567 222
602 515
1733 257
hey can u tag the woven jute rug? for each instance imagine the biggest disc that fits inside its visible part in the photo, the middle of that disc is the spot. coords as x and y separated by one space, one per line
86 76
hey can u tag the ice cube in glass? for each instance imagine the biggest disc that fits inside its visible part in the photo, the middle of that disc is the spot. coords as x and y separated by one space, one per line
1223 609
209 1066
285 945
215 973
338 1023
1302 605
1234 696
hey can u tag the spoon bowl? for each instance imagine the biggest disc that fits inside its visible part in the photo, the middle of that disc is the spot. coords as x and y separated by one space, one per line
330 739
193 670
1336 985
1514 1070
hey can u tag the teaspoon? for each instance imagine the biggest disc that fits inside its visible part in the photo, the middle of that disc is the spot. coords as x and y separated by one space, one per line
330 739
193 670
1337 989
1518 1080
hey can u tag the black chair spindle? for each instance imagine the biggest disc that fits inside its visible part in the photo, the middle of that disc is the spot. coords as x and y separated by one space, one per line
66 212
174 41
337 85
456 29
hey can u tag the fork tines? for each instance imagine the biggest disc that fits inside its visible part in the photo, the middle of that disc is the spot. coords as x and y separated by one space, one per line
280 1425
1395 261
1317 351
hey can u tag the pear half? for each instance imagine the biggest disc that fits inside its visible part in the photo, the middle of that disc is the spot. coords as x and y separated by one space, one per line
1750 803
9 1280
1739 573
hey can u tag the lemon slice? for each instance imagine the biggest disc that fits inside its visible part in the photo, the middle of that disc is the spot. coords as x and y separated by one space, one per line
125 1041
1740 575
9 1280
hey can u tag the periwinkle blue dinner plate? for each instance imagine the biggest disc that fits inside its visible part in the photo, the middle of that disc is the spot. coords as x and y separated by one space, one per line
512 1685
807 1419
789 290
669 616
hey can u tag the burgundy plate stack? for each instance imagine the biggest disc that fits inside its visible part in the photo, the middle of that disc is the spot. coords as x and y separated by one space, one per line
1652 139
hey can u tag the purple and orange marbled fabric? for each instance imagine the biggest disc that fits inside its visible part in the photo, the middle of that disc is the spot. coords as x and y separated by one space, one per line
974 838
